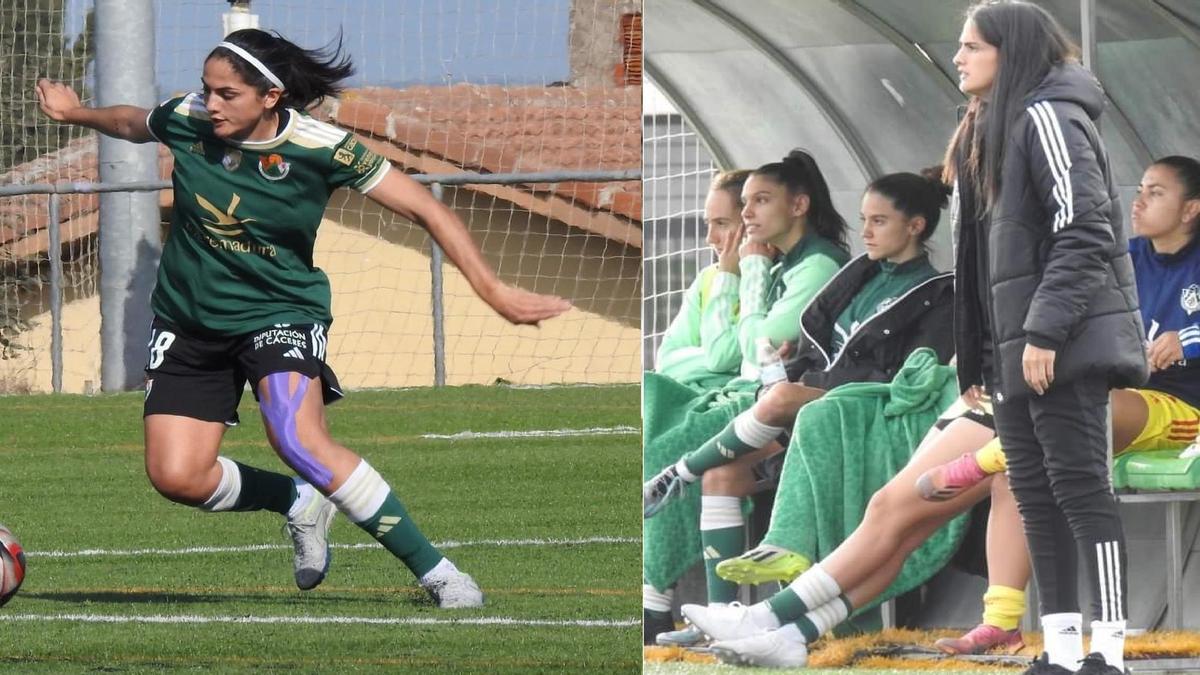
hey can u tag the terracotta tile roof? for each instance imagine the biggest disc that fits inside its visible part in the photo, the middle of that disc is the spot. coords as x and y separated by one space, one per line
495 129
23 219
490 129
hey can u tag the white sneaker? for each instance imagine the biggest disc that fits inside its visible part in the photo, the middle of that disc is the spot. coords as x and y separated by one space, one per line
770 649
453 590
309 529
723 622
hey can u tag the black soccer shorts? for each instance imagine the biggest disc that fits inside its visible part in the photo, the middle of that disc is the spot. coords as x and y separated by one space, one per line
203 378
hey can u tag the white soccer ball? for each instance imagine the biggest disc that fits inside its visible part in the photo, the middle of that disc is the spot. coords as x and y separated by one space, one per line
12 565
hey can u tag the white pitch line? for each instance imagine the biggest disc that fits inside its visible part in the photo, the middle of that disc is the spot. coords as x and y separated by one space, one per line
251 548
537 433
370 620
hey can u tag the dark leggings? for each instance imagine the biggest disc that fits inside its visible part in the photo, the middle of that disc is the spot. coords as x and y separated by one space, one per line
1056 447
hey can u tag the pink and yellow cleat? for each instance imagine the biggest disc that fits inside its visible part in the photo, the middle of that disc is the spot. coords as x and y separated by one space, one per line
983 638
945 482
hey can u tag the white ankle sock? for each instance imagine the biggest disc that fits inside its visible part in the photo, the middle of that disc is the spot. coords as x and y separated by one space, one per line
443 568
1063 635
656 601
1108 638
684 472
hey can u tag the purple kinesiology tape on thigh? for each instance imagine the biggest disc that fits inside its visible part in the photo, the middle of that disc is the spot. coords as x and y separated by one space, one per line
280 410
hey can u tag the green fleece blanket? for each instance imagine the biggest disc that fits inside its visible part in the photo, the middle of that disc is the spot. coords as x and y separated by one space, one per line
847 445
677 419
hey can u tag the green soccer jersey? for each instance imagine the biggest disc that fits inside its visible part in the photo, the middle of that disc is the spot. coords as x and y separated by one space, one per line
892 281
239 256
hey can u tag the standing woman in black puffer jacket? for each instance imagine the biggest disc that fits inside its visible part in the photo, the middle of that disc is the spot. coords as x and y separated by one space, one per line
1046 311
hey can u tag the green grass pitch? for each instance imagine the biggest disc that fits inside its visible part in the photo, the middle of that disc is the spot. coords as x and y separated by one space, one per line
120 580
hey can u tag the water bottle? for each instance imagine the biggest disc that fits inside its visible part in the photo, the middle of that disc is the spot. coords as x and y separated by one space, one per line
770 366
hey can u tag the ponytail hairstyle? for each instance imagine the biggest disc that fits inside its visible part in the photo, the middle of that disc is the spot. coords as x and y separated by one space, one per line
1187 170
925 195
1030 43
308 75
798 173
731 182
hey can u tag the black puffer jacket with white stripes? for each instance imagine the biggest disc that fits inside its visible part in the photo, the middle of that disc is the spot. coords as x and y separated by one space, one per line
878 347
1058 273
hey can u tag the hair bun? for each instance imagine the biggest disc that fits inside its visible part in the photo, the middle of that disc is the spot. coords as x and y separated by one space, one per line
798 156
936 175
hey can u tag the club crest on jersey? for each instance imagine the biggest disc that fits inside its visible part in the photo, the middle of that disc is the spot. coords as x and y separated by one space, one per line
272 167
1190 298
232 160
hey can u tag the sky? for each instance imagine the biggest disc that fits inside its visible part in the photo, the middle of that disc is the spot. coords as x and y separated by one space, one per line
392 42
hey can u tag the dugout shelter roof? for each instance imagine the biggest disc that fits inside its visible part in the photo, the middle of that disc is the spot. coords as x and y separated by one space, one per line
868 86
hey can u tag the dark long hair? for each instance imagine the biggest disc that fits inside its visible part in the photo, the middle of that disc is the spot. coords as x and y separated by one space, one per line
308 75
1187 170
1030 43
914 195
798 172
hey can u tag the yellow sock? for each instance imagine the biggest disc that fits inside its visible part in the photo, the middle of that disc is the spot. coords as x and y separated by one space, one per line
991 458
1003 607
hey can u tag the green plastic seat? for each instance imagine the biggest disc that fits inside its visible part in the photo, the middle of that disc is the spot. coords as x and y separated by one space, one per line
1156 470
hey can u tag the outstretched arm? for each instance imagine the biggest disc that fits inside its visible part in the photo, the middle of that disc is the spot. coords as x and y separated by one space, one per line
60 103
410 199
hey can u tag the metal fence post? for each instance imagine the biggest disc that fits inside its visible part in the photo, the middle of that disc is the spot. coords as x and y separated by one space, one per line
1087 33
439 310
129 236
56 297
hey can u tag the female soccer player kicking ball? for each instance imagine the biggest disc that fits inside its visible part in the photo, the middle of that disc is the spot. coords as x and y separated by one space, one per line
238 298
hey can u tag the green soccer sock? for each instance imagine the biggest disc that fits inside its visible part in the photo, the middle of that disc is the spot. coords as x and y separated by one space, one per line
717 451
264 490
720 545
392 527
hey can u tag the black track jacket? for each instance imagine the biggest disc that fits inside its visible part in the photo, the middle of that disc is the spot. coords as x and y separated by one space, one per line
1058 271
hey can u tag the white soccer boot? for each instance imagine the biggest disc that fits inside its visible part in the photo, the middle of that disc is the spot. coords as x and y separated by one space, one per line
452 589
309 529
770 650
724 622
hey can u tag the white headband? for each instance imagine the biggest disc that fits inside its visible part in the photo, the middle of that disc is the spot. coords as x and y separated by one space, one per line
262 68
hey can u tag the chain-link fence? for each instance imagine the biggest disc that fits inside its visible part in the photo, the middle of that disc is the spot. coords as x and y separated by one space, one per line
677 169
527 111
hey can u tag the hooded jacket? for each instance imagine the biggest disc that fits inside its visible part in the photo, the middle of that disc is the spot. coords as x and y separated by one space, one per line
877 348
1058 273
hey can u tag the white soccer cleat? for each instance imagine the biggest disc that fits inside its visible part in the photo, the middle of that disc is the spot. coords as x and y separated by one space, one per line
770 650
309 530
723 622
453 590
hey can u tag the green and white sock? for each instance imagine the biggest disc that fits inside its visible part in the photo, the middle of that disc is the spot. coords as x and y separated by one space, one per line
369 502
722 535
821 620
743 435
810 590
